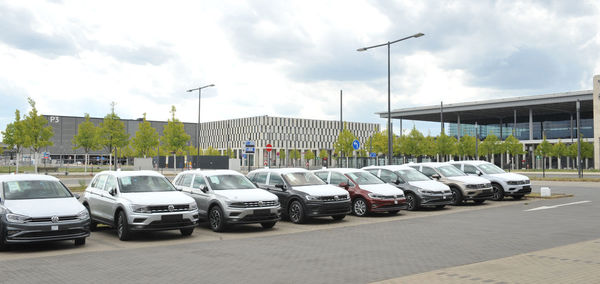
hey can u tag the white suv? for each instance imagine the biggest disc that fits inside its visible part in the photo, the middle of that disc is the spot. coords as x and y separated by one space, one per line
138 201
227 197
503 183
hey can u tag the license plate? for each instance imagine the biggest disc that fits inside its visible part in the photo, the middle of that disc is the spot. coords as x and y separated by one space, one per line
172 218
262 212
444 197
54 228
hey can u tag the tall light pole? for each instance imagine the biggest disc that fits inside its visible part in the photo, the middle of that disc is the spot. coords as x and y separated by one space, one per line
389 115
198 126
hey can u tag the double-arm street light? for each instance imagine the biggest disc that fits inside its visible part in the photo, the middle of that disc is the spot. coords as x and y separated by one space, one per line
389 115
198 126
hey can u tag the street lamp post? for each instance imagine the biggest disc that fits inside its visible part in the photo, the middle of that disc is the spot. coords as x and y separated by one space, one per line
198 126
389 116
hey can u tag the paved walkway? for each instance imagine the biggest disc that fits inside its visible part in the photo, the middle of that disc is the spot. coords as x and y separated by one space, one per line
576 263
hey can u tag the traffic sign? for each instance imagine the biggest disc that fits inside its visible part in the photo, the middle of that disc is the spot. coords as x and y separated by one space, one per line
249 147
269 147
355 144
373 155
244 156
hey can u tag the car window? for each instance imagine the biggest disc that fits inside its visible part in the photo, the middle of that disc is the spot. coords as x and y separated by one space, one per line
35 189
199 182
491 169
450 171
111 182
470 169
302 179
373 172
412 175
275 179
388 176
260 178
225 182
186 180
364 178
337 178
322 175
131 184
457 166
101 180
428 171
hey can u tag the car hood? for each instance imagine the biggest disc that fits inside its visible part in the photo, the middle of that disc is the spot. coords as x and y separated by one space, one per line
469 179
430 185
382 189
45 207
157 198
247 195
321 190
510 176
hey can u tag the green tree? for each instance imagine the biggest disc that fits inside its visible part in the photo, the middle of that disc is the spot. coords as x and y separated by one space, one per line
294 155
14 136
513 147
544 149
343 144
428 146
323 155
86 138
559 150
281 156
587 151
466 146
413 144
111 133
446 145
210 151
490 146
229 153
572 153
380 142
37 131
146 138
309 155
174 135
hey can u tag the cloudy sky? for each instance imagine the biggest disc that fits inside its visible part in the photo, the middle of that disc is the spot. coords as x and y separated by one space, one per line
287 58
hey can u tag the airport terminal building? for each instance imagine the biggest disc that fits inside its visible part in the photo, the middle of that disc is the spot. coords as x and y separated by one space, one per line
528 118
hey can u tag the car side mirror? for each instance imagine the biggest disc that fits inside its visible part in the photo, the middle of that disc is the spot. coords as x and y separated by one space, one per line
436 176
112 191
280 186
478 172
204 189
344 185
77 196
178 188
399 181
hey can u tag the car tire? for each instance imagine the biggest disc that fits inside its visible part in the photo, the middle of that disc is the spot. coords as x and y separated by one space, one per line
393 212
479 201
216 220
457 198
412 202
80 241
296 212
338 217
3 245
268 225
497 192
517 197
440 206
359 207
123 231
93 224
186 231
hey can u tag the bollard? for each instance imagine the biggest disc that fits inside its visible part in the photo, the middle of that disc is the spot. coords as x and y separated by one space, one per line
545 192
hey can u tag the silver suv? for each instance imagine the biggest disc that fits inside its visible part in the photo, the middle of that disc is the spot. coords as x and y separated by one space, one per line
227 197
138 201
503 183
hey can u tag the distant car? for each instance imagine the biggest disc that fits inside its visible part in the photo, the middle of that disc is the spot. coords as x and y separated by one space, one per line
368 193
227 197
419 189
503 183
38 208
133 201
463 187
302 194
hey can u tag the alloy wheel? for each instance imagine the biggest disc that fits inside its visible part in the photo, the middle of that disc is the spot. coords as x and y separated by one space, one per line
360 207
215 218
295 212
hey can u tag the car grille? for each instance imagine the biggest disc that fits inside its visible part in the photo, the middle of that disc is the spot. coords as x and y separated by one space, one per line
486 191
333 198
253 204
165 208
49 219
478 186
44 234
447 191
518 182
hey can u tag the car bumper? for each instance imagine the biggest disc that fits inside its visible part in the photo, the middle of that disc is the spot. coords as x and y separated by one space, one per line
518 190
254 215
388 205
482 194
163 222
432 200
317 209
42 232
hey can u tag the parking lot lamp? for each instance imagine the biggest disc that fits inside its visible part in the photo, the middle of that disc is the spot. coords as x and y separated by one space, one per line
198 126
389 116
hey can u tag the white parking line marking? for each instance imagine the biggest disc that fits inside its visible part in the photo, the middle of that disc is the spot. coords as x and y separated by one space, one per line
556 206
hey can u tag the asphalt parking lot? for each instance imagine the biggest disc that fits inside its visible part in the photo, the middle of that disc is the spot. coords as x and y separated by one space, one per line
419 244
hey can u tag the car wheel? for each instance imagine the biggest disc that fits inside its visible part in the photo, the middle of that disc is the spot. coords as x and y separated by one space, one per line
186 231
216 220
3 245
296 212
338 217
497 192
359 207
393 212
412 202
457 198
517 197
123 231
440 206
80 241
479 201
268 225
93 224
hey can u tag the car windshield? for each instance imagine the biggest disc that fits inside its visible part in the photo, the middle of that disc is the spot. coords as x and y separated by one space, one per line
412 175
145 184
35 189
224 182
490 169
302 179
450 171
364 178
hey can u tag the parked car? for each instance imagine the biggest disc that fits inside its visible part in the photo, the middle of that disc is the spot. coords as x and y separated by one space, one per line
463 187
133 201
503 183
227 197
37 208
419 189
302 194
368 193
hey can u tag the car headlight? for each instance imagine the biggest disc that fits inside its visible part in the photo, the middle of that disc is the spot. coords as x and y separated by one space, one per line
16 218
311 197
376 196
83 215
527 181
513 182
140 209
425 191
193 206
472 186
488 185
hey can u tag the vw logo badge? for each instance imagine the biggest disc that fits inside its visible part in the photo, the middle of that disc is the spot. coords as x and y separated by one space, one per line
260 203
54 219
336 197
171 208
